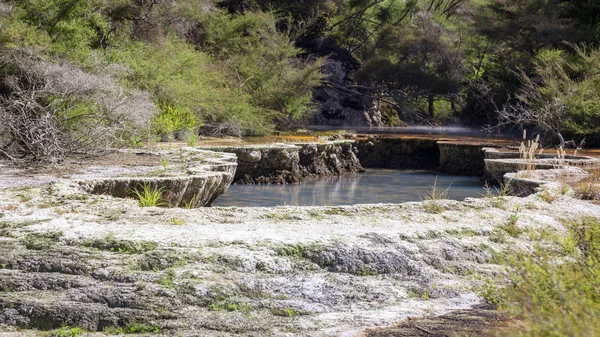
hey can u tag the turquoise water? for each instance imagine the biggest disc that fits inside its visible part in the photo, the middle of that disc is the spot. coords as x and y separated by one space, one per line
373 187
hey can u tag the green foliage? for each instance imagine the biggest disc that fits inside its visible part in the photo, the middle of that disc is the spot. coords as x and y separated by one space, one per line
67 331
174 71
556 294
287 312
149 196
172 119
192 139
65 27
266 64
41 241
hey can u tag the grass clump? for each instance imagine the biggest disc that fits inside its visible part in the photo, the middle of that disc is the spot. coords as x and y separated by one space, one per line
67 331
297 250
510 226
528 151
41 241
588 190
432 198
112 244
287 312
554 291
436 193
149 196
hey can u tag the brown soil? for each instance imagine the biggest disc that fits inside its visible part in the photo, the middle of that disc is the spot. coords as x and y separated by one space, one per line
482 321
76 164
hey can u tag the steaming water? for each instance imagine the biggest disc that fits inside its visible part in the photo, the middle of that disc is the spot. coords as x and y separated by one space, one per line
375 186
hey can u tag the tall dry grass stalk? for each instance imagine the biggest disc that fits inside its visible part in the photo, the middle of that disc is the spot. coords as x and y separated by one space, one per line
560 156
528 151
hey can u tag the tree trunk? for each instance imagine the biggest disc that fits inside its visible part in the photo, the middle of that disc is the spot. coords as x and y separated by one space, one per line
431 99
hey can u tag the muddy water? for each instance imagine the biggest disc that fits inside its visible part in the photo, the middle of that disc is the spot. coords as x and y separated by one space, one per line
375 186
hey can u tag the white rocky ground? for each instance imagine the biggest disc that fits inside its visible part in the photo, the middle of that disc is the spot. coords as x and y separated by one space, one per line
69 258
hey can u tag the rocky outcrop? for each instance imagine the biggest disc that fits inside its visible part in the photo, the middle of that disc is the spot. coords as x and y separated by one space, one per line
108 266
189 178
524 177
399 153
341 104
330 159
284 163
461 158
524 183
499 163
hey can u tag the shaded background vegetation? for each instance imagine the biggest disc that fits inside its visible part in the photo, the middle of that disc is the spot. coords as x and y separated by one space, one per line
249 67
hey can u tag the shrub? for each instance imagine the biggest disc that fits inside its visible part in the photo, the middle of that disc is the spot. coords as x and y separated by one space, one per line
149 196
52 110
266 64
172 119
557 294
175 72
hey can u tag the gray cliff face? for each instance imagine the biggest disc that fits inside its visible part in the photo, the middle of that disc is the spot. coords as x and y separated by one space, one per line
339 105
289 164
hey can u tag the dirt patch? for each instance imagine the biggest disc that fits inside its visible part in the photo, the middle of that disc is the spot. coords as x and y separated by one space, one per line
481 321
12 175
75 164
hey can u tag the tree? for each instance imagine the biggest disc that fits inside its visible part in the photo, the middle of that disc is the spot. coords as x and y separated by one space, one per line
415 61
562 98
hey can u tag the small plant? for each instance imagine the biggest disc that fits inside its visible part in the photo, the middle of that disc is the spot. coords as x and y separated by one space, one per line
560 156
287 312
149 196
432 198
502 190
547 196
511 227
192 139
172 119
587 190
67 331
553 295
164 162
190 204
177 222
528 151
436 193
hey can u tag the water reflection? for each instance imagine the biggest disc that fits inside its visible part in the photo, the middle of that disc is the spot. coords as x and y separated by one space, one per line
375 186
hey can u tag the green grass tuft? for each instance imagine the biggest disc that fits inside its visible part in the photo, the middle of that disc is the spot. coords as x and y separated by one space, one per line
149 196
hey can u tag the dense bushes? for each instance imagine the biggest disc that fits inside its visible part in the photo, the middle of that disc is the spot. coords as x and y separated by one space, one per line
562 97
234 67
200 64
554 291
51 109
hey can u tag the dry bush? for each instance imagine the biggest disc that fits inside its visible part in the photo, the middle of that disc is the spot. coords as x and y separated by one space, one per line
226 129
51 110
